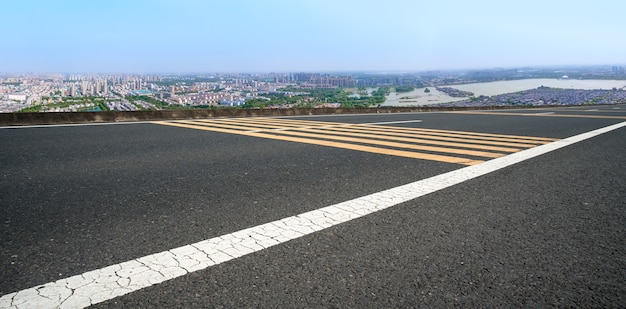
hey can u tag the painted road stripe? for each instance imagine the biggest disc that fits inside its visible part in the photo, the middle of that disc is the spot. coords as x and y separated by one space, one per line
325 135
606 109
377 126
394 122
385 151
427 137
325 132
370 139
544 113
389 133
322 136
426 134
73 125
283 120
539 115
116 280
465 134
355 137
498 139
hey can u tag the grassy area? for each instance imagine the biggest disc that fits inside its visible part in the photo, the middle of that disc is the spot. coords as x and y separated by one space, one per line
404 88
313 97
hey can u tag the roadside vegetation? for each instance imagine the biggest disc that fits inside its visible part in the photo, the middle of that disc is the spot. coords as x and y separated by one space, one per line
148 99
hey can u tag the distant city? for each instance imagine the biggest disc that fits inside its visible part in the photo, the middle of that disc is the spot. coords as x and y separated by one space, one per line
54 92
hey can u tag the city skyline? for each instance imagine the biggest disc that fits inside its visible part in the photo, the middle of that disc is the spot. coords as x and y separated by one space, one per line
288 36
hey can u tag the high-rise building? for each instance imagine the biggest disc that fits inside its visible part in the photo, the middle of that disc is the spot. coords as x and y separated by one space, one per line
83 88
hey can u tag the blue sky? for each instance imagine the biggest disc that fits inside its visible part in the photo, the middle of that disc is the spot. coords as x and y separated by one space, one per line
141 36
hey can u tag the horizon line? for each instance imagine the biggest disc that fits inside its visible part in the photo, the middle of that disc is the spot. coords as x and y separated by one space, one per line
361 71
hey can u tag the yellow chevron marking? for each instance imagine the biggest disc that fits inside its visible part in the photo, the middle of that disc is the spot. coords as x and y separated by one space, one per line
361 137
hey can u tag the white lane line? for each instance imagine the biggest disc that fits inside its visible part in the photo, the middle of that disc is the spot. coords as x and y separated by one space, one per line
107 283
330 126
75 125
392 122
532 114
150 122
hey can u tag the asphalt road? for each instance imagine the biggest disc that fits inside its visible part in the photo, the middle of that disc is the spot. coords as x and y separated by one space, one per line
549 231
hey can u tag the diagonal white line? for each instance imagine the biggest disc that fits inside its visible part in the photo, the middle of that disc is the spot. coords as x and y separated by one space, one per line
391 122
107 283
545 113
331 125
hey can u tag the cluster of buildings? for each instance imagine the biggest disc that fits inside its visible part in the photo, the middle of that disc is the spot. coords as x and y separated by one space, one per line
21 91
121 106
70 108
547 96
224 98
317 80
17 93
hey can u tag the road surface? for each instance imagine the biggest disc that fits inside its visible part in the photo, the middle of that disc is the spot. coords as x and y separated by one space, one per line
515 208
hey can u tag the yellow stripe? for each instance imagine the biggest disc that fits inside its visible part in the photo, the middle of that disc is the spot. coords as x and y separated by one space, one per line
325 134
468 143
486 136
400 153
443 138
511 140
249 125
252 121
309 123
293 122
380 143
411 140
328 133
450 133
473 135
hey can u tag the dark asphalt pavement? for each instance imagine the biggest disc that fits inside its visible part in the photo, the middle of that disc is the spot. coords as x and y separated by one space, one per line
549 231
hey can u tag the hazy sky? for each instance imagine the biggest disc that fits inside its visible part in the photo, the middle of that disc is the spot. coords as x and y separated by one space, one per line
147 36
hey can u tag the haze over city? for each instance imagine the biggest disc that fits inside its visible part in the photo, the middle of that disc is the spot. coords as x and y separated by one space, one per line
280 36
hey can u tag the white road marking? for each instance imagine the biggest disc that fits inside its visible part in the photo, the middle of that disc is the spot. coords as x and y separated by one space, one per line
338 125
545 113
150 122
75 125
330 126
107 283
393 122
